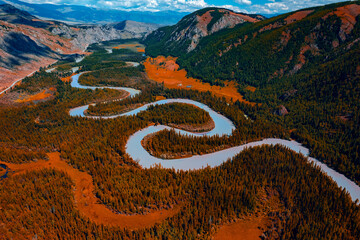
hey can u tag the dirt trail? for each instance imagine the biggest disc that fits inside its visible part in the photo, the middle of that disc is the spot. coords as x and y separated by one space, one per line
85 200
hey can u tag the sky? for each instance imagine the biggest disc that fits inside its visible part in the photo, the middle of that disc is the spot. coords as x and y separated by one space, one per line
246 6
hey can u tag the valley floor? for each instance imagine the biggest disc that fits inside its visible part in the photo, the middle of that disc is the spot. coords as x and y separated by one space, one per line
85 200
166 71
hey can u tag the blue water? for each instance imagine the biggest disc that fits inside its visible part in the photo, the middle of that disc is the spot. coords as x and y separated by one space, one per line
6 173
223 126
79 111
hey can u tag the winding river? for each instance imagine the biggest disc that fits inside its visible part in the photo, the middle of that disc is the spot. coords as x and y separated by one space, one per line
223 126
79 111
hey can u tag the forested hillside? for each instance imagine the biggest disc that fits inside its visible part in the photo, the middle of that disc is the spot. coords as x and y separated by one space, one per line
53 161
185 35
256 53
303 67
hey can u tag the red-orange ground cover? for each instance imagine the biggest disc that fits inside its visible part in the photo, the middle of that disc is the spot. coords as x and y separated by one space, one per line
36 97
68 79
244 229
297 16
85 200
160 98
250 88
134 46
166 70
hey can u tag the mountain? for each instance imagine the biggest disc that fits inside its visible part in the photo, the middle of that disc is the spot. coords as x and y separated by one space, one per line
83 14
273 48
28 43
303 67
186 34
83 35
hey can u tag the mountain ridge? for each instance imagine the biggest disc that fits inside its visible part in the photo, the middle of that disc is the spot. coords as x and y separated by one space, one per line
28 43
288 42
187 33
82 14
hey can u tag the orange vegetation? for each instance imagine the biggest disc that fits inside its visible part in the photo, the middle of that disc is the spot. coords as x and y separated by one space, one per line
121 46
68 79
85 200
245 229
348 15
158 98
292 130
297 16
268 27
252 226
135 46
39 96
204 20
290 19
166 70
251 88
245 17
303 50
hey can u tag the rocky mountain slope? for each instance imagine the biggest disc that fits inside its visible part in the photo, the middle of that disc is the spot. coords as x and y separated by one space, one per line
258 52
28 43
186 34
83 14
83 35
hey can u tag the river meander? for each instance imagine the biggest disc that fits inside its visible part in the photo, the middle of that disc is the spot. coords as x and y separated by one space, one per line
223 126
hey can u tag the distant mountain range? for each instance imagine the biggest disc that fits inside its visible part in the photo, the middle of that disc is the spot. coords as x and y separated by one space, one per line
83 14
28 43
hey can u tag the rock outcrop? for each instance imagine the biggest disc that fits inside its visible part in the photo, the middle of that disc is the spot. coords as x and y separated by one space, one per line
28 43
282 111
187 33
83 35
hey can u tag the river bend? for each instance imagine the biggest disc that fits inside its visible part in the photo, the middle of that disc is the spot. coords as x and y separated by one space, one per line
223 126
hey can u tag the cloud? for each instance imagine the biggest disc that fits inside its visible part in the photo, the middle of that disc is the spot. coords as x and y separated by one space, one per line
282 6
247 6
152 5
247 2
231 7
277 5
140 5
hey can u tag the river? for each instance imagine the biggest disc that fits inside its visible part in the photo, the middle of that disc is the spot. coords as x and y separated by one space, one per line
6 171
223 126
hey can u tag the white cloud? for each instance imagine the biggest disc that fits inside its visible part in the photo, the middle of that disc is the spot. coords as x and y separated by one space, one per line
247 2
152 5
282 6
250 6
277 5
231 7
